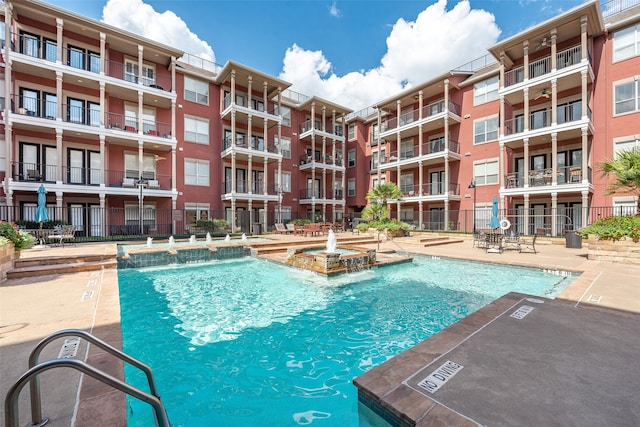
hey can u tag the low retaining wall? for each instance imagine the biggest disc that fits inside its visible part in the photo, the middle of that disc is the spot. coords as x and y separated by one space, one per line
7 256
624 250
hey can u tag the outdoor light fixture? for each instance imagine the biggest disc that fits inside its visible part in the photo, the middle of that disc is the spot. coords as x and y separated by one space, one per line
473 185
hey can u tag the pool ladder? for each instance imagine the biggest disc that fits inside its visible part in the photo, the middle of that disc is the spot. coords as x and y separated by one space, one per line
35 369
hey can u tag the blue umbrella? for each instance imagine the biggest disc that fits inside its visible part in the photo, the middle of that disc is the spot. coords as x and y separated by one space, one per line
495 221
41 211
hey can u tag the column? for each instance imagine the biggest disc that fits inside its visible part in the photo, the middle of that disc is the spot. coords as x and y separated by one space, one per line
525 46
554 102
526 162
140 157
584 40
585 156
103 104
59 154
59 198
585 206
59 42
525 116
103 53
554 159
585 95
103 215
140 62
501 165
554 49
140 112
526 215
174 176
103 161
554 213
59 95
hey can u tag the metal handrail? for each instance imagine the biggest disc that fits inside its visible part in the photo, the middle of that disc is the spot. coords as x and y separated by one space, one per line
11 401
36 405
35 354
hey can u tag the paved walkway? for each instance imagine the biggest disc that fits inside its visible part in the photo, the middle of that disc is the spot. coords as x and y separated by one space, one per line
32 308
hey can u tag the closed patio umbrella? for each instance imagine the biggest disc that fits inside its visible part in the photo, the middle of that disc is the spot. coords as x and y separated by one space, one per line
495 221
41 210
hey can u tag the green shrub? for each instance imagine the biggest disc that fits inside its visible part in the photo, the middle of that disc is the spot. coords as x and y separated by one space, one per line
32 225
614 227
388 224
212 224
20 239
3 241
300 221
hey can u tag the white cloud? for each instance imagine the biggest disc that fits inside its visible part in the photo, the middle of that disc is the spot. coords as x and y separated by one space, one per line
437 41
167 28
333 10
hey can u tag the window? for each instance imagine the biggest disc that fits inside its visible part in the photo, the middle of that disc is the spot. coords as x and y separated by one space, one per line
406 115
131 165
285 146
624 206
131 70
631 144
570 112
436 107
50 50
196 172
29 102
485 130
132 215
626 43
194 212
374 134
627 97
374 158
285 112
406 215
285 183
257 104
352 131
406 148
485 91
406 183
351 158
196 91
196 130
285 213
436 145
485 172
351 187
30 44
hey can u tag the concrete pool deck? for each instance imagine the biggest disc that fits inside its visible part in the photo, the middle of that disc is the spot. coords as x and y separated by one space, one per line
32 308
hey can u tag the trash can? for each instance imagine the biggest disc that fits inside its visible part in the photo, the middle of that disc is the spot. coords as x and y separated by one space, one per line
573 240
257 228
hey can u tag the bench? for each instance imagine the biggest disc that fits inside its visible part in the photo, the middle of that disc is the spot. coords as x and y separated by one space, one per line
313 229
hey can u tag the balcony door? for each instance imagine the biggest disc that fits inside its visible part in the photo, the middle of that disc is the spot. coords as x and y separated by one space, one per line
436 183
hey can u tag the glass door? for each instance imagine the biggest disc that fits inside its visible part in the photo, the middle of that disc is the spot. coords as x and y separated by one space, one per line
50 164
75 166
93 177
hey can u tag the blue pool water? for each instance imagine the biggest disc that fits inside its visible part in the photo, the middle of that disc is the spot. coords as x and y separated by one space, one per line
251 343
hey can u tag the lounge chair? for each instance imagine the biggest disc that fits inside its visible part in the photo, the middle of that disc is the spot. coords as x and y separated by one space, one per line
479 240
291 228
280 228
528 245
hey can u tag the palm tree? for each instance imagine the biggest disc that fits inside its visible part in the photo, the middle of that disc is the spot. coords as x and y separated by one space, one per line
382 193
626 168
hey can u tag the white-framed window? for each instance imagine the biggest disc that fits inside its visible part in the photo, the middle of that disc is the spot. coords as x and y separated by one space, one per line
285 182
406 148
132 215
285 213
375 181
285 146
351 131
374 134
626 145
406 183
196 172
624 206
131 72
285 112
351 158
406 214
196 130
627 97
196 90
485 130
131 165
194 212
626 43
351 187
485 172
485 91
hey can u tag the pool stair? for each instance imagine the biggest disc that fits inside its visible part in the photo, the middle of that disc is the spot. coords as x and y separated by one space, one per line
427 240
46 265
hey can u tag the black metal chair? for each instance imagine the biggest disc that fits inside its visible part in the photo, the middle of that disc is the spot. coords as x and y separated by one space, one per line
528 245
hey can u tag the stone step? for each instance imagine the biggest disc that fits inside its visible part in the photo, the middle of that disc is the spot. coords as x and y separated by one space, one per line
67 267
312 244
55 260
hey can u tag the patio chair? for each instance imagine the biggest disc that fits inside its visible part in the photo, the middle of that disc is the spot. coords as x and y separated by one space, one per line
511 241
291 228
528 245
479 240
62 234
280 228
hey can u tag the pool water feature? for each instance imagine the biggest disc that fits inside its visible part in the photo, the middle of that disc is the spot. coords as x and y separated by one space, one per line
252 343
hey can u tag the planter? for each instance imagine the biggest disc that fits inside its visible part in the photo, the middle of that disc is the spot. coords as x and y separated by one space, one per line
624 250
7 257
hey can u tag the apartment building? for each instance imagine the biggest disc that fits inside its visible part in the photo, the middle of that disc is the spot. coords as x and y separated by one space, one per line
129 136
528 125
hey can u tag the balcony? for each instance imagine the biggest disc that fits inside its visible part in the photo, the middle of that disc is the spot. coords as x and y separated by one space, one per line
566 175
248 109
308 128
251 189
82 176
420 115
541 119
120 122
542 66
328 162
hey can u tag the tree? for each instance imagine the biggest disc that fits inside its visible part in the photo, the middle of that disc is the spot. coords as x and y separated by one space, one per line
375 211
626 168
382 193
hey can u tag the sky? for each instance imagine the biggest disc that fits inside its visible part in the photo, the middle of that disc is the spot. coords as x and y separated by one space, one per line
351 52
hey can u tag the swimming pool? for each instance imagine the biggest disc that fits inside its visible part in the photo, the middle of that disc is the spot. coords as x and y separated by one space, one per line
252 343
